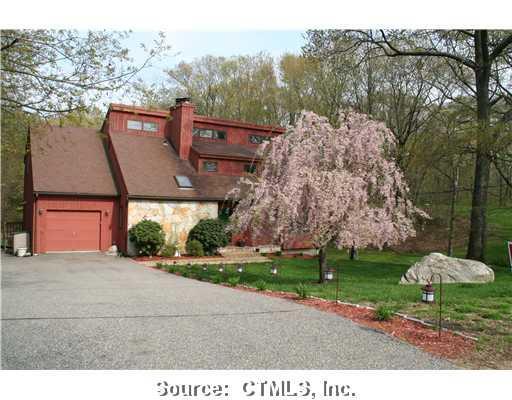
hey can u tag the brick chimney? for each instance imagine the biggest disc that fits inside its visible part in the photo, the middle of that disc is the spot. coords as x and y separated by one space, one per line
180 132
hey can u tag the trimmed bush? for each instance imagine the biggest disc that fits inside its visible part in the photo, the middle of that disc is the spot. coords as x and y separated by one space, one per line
211 233
233 281
261 284
148 237
169 250
302 291
383 313
195 248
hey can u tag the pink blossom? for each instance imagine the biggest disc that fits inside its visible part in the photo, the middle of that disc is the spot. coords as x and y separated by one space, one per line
333 184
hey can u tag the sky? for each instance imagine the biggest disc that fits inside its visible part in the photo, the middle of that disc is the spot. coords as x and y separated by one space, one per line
186 46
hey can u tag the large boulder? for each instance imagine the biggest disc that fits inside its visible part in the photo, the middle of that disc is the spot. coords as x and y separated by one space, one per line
453 270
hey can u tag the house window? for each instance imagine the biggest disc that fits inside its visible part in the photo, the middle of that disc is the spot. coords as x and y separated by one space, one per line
209 133
258 139
250 168
150 126
135 125
210 166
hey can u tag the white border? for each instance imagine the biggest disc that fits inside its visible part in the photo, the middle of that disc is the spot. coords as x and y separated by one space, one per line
233 15
139 385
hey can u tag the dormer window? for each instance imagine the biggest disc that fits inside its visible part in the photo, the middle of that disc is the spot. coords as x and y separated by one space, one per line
209 133
183 182
150 126
258 139
250 168
210 166
137 125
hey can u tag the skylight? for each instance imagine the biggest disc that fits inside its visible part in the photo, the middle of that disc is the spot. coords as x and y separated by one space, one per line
183 182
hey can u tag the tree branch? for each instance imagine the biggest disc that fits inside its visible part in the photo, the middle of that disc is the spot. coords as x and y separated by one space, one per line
500 47
428 53
9 45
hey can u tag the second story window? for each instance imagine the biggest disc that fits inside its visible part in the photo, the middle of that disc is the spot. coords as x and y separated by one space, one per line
250 168
210 166
209 133
135 125
150 126
258 139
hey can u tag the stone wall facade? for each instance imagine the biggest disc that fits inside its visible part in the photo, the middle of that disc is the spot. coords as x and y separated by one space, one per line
176 217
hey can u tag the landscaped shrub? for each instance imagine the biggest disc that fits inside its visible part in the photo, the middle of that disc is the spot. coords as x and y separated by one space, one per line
159 265
383 313
171 268
211 233
261 284
195 248
217 279
233 281
169 250
302 291
148 237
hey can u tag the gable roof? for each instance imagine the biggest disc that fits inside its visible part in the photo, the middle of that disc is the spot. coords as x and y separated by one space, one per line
224 150
70 160
149 166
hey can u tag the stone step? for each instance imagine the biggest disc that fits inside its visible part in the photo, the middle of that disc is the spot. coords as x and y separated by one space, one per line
213 260
248 250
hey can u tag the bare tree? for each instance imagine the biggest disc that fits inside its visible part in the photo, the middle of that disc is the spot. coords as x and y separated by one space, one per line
48 72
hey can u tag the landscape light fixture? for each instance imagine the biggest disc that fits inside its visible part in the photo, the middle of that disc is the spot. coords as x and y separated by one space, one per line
240 268
329 274
189 265
221 268
205 267
427 293
273 269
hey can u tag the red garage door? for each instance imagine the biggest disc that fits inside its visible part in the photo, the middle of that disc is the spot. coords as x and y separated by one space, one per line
73 230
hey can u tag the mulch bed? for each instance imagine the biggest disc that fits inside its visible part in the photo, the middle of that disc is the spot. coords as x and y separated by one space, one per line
160 258
450 345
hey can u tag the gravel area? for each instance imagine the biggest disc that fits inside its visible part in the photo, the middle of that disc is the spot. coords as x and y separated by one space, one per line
90 311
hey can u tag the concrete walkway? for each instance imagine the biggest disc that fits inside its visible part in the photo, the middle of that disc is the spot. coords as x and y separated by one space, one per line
89 311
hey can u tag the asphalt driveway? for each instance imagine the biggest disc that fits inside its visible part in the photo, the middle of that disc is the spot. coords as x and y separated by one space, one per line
90 311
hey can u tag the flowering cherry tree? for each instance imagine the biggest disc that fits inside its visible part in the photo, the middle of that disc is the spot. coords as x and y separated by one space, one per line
337 185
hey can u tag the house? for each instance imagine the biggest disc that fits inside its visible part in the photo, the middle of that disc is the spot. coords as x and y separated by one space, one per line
85 188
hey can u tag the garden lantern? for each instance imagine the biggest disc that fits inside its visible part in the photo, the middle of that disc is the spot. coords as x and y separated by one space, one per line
205 267
427 293
221 268
189 265
240 268
273 269
329 274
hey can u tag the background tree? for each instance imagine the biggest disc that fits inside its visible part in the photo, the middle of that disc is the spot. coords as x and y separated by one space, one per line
332 185
58 71
477 60
240 88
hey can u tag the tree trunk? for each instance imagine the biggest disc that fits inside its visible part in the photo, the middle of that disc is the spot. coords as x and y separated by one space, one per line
455 186
322 263
477 234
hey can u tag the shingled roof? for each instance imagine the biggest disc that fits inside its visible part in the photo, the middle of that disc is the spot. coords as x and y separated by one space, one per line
223 150
149 165
70 160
